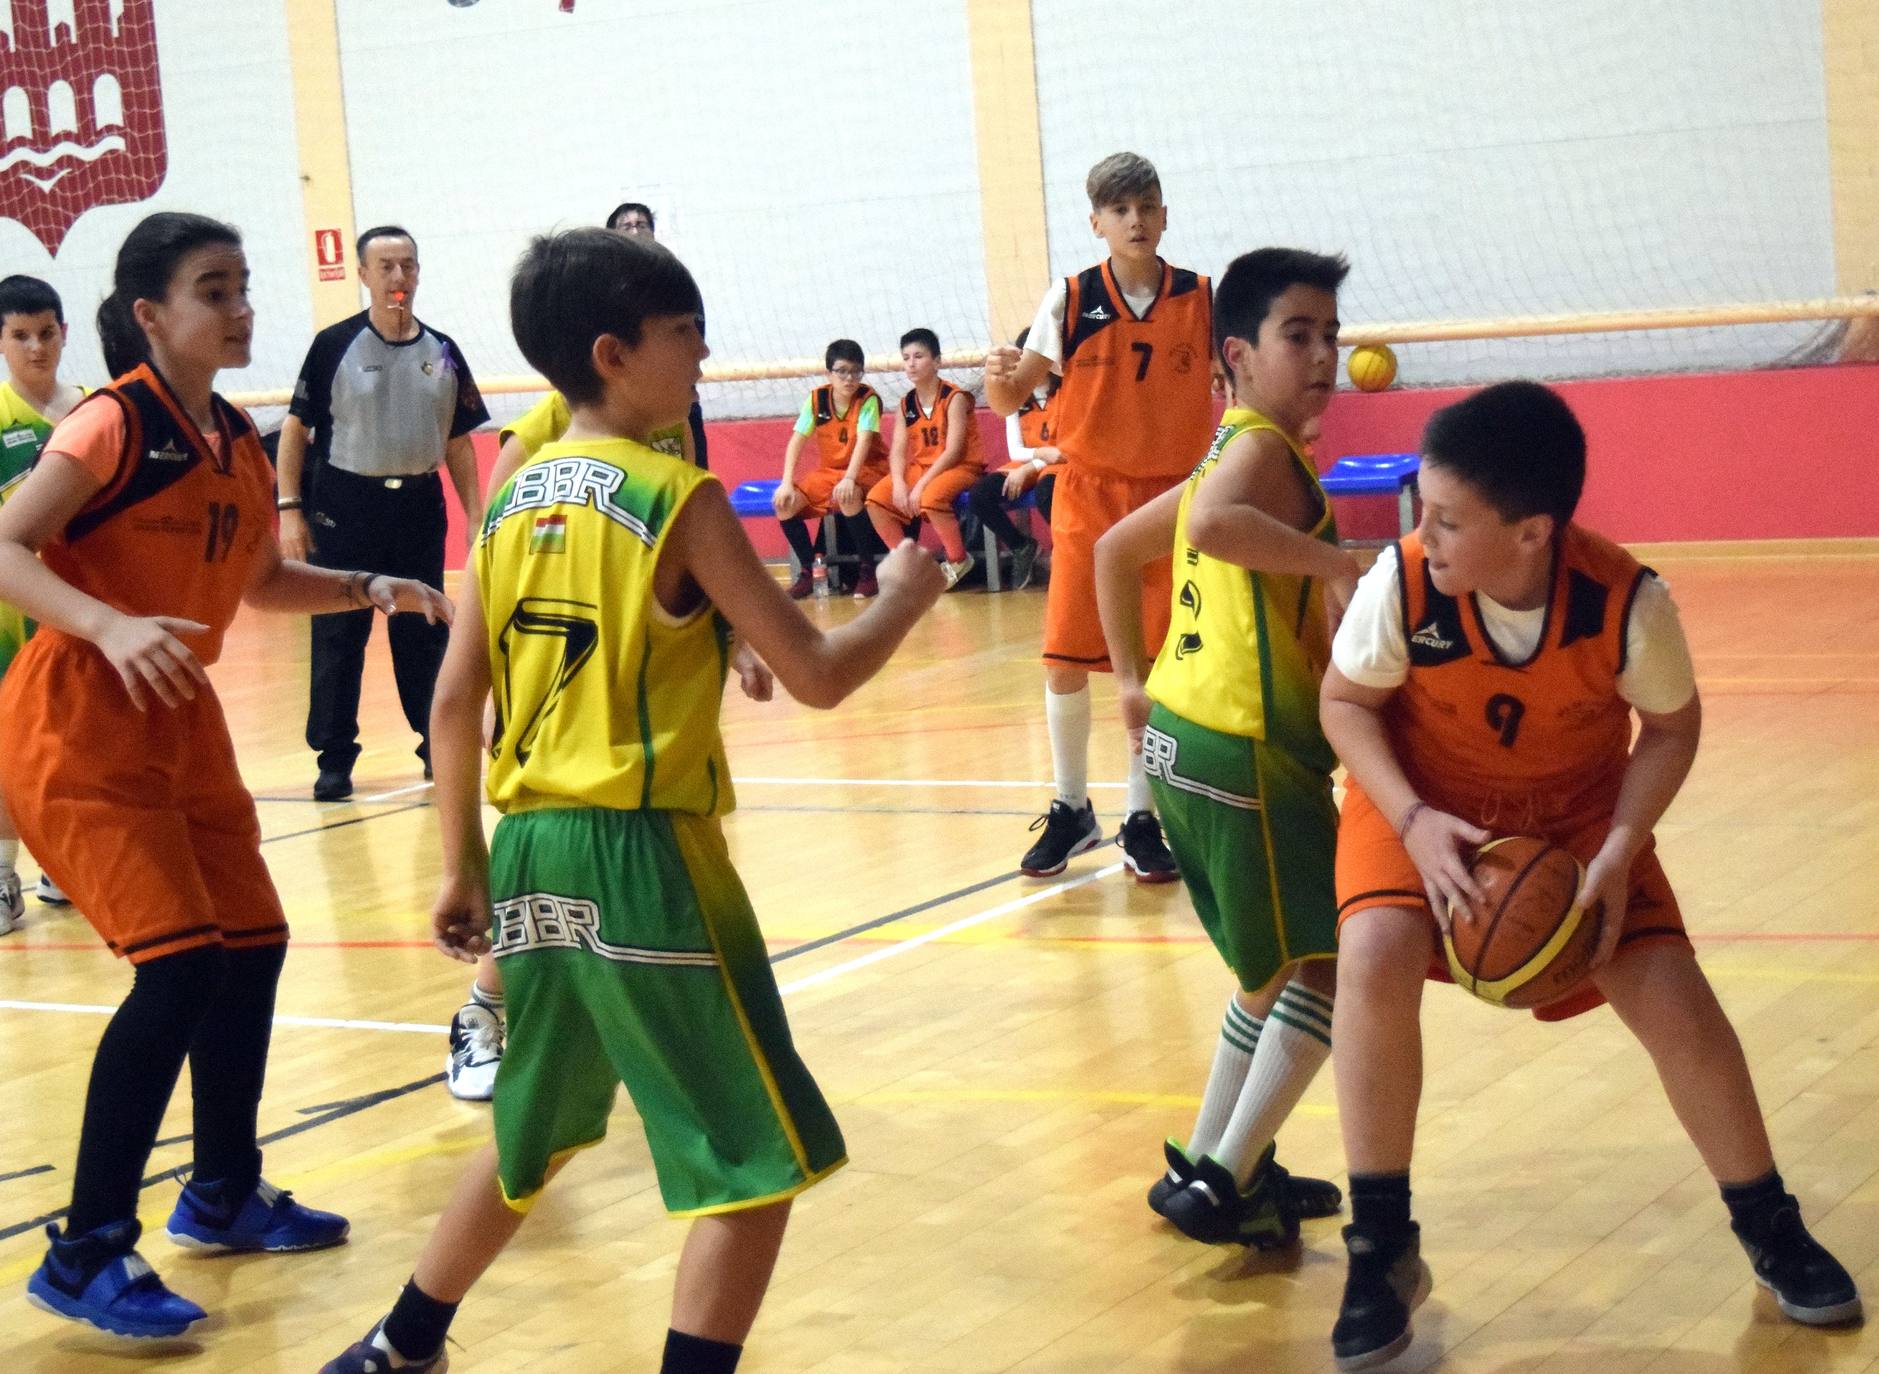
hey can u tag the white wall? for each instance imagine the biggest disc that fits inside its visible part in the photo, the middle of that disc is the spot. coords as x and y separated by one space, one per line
812 162
228 111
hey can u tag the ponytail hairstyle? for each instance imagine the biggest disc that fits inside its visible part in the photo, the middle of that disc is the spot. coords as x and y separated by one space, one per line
145 266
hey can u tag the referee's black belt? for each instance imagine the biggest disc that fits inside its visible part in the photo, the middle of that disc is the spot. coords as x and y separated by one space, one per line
403 479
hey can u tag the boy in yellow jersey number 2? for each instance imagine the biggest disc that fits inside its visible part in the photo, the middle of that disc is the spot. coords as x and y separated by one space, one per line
1227 728
600 606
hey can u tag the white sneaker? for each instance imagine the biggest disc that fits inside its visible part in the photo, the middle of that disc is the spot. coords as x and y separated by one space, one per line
12 904
955 571
475 1053
49 893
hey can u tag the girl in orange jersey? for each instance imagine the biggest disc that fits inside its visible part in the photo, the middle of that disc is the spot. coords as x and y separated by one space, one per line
146 522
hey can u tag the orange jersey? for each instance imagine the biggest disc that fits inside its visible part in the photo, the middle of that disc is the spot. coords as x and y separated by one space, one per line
1518 746
836 435
1034 423
1137 394
927 432
176 526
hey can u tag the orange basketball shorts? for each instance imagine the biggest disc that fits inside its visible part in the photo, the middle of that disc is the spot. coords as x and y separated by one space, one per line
818 485
940 493
140 816
1086 504
1374 870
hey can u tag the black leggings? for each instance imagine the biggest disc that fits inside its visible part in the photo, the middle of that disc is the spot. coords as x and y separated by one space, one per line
858 536
212 1006
987 501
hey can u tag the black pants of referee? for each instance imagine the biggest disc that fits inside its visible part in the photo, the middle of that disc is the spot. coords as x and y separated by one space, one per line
370 524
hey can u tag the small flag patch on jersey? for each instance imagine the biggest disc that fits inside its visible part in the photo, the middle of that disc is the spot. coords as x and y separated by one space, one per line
551 534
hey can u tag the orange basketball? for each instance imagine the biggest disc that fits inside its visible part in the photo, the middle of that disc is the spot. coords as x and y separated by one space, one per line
1530 943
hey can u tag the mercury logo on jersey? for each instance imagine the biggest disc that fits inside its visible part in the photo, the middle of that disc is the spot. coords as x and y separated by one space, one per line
1430 637
169 453
1097 312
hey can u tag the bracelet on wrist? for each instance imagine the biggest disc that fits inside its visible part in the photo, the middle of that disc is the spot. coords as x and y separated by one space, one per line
1409 819
290 503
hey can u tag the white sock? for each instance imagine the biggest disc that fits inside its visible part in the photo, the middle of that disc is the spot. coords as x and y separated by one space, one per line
1139 797
489 1001
9 855
1067 714
1291 1050
1233 1056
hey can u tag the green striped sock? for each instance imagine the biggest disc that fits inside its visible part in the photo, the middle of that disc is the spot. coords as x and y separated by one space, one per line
1296 1042
1233 1056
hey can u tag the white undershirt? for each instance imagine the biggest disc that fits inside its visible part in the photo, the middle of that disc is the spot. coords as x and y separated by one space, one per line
1657 678
1046 334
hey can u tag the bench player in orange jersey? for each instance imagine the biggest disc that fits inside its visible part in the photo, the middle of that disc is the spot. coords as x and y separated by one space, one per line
936 456
1132 338
1482 683
1035 463
840 428
148 519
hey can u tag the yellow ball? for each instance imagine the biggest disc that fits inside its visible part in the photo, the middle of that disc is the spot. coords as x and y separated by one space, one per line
1372 367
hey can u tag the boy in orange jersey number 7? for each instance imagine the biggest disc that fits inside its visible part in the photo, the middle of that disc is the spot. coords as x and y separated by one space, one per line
1483 682
1131 338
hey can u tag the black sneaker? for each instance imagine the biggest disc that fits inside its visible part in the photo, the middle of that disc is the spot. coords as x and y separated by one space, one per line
1023 564
1067 833
332 785
1144 851
1311 1199
1180 1173
1213 1209
373 1356
1387 1280
1809 1284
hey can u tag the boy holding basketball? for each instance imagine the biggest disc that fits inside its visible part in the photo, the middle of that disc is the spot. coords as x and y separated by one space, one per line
1131 338
1227 727
600 603
1483 683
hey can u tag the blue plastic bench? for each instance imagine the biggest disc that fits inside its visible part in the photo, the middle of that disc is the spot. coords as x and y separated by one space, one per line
1378 474
994 577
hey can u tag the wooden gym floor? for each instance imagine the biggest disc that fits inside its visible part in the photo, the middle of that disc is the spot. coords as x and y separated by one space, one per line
1006 1056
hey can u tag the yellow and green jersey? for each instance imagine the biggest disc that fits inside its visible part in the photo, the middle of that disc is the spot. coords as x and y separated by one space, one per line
548 419
1246 650
23 433
603 698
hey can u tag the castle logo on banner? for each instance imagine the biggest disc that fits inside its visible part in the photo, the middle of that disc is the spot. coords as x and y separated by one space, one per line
81 114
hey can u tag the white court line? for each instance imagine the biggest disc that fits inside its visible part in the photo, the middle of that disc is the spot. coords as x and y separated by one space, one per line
812 980
395 792
326 1022
906 782
940 932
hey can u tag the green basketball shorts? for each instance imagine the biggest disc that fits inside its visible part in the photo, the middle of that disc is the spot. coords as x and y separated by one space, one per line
1254 833
630 954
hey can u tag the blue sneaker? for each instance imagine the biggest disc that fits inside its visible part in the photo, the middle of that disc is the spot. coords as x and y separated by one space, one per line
373 1356
267 1219
100 1279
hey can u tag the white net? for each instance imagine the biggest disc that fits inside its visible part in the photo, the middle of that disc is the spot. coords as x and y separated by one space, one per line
1479 161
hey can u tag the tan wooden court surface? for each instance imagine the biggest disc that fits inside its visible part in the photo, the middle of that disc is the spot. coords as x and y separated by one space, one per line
1006 1055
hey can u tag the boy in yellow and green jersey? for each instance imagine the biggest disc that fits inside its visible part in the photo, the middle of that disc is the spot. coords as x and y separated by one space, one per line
599 607
32 401
1227 724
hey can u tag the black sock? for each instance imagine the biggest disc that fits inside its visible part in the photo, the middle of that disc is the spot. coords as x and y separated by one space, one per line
418 1323
695 1355
796 530
132 1076
227 1066
1750 1203
1380 1201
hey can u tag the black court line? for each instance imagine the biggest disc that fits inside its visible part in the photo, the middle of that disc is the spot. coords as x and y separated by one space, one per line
344 1109
336 1111
26 1173
341 825
823 941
